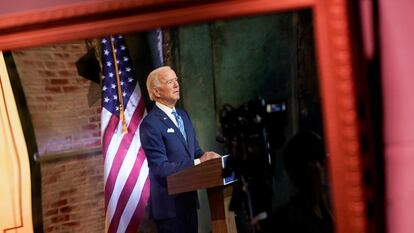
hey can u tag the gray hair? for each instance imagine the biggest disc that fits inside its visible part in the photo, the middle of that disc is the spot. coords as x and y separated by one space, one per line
153 79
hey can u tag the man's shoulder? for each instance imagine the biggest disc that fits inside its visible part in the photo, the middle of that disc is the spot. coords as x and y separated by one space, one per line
154 115
150 116
149 121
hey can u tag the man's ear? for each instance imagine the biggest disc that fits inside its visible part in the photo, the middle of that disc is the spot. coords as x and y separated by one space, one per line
156 92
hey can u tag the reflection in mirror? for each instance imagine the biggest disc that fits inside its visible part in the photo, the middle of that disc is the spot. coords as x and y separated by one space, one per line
249 84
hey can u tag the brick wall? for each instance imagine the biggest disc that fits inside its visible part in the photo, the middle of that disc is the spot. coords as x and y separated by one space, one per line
72 193
57 98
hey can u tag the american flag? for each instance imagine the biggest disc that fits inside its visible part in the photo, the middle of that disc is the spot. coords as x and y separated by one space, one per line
126 168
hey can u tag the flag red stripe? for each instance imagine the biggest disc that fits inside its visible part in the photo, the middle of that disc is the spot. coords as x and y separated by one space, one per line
126 191
140 210
122 151
109 131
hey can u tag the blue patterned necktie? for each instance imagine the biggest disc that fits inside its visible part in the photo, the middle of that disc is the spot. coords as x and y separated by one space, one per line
180 123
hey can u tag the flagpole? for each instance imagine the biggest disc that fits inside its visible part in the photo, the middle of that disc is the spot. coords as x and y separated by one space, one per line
120 97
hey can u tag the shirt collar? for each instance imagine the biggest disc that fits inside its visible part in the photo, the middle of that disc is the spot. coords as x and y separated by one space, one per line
165 108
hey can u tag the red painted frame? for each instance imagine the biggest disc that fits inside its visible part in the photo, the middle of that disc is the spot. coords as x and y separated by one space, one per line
334 51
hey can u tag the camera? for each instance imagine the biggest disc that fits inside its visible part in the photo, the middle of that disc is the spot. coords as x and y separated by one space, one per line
251 133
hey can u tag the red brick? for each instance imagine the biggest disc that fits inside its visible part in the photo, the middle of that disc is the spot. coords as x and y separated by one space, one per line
49 180
40 98
52 64
70 88
89 127
95 119
51 228
53 89
59 203
62 55
66 209
67 73
67 192
72 224
51 212
33 63
58 81
43 56
47 73
55 219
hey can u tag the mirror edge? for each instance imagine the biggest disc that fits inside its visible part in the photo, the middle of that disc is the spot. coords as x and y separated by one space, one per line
337 72
334 50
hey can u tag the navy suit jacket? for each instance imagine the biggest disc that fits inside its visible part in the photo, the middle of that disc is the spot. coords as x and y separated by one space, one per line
167 153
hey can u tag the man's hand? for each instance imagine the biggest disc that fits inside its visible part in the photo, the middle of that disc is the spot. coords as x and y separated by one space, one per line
209 155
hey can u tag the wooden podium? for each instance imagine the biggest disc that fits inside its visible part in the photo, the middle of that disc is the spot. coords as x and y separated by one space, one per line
206 175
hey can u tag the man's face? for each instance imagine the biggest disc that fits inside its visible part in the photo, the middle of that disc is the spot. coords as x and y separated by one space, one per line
168 90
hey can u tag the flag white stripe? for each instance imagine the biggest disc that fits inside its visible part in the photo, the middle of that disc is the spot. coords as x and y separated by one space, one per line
115 140
105 117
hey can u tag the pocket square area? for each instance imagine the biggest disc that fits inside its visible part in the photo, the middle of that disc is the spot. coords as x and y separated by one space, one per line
170 130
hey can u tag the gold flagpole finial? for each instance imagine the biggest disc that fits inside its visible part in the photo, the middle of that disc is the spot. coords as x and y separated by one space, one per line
120 97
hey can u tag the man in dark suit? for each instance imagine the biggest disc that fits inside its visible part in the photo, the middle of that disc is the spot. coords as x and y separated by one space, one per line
170 144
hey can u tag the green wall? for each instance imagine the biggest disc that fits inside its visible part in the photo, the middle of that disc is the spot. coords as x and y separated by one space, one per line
231 62
251 58
196 75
